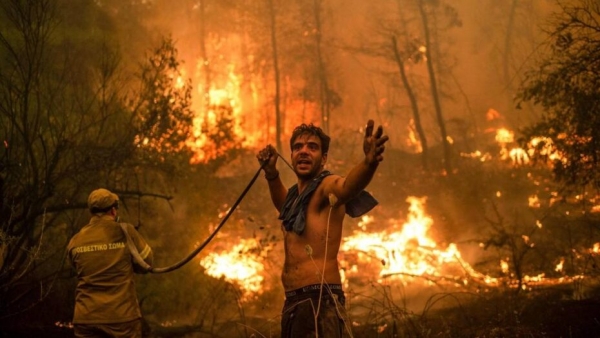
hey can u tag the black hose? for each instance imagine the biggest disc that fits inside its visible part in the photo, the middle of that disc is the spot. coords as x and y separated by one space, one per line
198 249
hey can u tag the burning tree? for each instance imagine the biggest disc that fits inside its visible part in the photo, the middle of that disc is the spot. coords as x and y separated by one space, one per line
163 117
317 59
564 82
412 40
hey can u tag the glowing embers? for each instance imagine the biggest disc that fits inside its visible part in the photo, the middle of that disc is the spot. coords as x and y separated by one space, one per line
542 149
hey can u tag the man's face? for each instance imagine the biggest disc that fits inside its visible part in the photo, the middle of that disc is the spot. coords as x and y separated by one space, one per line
307 157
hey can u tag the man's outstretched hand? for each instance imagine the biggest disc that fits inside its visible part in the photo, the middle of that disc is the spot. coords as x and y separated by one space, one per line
374 144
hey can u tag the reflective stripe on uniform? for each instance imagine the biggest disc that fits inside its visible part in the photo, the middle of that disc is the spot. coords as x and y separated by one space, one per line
147 250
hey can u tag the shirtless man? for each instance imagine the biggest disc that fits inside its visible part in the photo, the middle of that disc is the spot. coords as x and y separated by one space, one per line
312 214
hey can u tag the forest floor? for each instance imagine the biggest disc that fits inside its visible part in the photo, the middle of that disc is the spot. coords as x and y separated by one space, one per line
547 312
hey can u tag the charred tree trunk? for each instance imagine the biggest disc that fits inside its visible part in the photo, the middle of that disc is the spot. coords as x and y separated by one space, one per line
434 90
507 43
204 56
323 83
413 104
506 55
277 98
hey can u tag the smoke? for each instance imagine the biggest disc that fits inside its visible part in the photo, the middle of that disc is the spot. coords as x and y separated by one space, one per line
479 62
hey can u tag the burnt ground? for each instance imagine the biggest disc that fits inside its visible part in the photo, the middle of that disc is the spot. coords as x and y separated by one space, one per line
547 315
547 312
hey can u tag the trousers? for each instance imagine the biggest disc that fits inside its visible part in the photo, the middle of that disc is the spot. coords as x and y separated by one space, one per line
132 329
306 312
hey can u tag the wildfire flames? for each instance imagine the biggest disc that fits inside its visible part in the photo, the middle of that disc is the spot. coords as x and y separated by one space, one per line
408 252
401 253
223 105
239 266
232 109
404 252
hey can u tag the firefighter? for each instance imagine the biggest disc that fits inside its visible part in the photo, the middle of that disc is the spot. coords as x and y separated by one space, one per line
106 301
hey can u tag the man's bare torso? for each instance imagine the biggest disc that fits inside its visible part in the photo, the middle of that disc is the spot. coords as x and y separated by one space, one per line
306 253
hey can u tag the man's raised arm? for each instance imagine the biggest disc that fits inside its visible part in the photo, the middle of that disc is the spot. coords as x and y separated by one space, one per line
360 176
267 157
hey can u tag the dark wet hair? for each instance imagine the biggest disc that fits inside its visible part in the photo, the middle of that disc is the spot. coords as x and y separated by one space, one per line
311 129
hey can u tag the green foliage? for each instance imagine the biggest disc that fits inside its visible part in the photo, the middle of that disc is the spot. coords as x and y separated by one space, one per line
57 139
565 83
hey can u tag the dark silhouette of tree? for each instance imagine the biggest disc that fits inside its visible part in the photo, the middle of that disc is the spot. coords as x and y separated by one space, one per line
318 64
273 29
59 117
412 97
432 25
163 117
262 24
291 49
324 86
66 124
412 38
565 83
510 39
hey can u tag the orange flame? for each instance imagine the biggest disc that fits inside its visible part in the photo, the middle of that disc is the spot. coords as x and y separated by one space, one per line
409 252
238 266
401 253
222 102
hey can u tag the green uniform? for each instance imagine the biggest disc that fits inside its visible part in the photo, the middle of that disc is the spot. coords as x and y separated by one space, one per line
105 290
